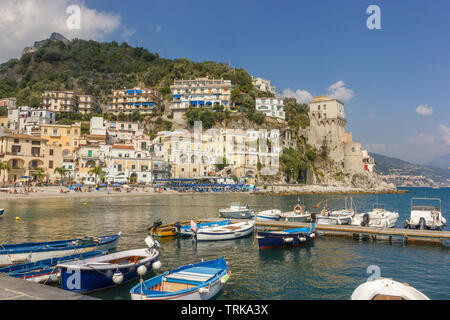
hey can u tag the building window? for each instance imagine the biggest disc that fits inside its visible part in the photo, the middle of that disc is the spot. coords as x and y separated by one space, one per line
16 140
50 164
51 152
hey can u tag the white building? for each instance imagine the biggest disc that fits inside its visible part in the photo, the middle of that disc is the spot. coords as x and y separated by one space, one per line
271 107
202 92
27 120
263 85
97 126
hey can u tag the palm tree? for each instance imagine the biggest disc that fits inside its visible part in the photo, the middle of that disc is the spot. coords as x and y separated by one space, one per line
4 169
96 171
62 172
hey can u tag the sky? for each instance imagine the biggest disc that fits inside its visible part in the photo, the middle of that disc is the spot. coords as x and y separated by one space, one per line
394 81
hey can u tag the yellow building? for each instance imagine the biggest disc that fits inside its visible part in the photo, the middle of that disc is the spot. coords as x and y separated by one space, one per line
28 155
4 121
64 135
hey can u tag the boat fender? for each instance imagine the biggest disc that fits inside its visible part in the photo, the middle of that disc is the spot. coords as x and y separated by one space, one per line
117 277
312 235
141 270
225 278
288 239
298 209
302 239
203 290
156 265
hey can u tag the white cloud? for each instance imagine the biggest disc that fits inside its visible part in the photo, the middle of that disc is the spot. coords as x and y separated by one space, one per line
302 96
339 91
423 138
25 21
444 133
424 110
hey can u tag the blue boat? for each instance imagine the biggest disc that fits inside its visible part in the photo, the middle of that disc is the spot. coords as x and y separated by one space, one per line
185 230
107 271
35 251
44 270
2 211
200 281
285 238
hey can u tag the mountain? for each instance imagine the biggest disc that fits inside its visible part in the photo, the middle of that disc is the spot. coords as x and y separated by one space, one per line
393 166
442 162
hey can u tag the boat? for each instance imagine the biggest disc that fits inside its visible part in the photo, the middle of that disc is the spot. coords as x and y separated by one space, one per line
426 214
200 281
285 238
35 251
379 217
2 211
386 289
227 232
269 215
298 214
186 230
44 271
337 217
236 211
110 270
160 230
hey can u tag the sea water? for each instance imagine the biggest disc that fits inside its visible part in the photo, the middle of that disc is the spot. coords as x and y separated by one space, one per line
330 268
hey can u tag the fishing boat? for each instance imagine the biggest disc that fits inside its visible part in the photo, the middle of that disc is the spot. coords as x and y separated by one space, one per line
227 232
379 217
44 271
285 238
2 211
337 217
297 215
269 215
426 213
387 289
160 230
186 230
35 251
200 281
236 211
110 270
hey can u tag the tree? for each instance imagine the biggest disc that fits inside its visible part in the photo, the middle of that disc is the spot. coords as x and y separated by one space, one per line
96 171
62 172
4 169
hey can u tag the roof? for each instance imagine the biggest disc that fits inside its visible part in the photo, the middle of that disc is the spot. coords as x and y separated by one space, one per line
24 136
323 99
95 136
118 146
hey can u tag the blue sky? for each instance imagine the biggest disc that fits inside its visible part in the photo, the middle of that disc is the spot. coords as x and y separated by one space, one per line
311 45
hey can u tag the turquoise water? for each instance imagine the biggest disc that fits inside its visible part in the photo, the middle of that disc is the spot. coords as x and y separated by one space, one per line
330 268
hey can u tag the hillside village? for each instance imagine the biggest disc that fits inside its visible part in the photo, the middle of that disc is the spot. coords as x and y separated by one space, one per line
222 129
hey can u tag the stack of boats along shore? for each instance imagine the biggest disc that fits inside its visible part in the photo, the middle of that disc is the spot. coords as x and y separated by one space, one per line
91 264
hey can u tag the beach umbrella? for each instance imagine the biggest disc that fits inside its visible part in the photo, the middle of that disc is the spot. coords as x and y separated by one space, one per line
102 185
26 177
78 185
116 185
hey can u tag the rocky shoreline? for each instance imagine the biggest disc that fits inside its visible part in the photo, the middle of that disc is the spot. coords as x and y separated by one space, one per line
319 189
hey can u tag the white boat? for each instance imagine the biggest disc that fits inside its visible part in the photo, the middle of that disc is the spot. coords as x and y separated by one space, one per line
337 217
269 215
2 211
236 211
387 289
297 215
227 232
379 217
426 213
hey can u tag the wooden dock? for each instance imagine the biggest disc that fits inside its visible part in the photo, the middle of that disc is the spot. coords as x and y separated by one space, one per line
355 232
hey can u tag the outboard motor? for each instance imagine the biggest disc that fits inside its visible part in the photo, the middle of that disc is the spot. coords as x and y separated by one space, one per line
157 223
366 219
178 226
313 217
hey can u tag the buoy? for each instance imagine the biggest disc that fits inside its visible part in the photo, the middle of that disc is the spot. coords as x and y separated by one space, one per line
85 203
141 270
17 218
117 277
156 265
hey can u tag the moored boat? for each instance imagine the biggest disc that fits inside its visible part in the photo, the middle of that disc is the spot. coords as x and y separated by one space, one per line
110 270
426 213
386 289
44 270
200 281
285 238
379 217
236 211
2 211
269 215
299 214
35 251
186 230
160 230
337 217
226 232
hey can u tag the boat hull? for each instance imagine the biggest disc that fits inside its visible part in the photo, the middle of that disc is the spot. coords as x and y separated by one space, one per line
11 256
240 214
212 234
333 220
268 215
267 240
294 217
90 275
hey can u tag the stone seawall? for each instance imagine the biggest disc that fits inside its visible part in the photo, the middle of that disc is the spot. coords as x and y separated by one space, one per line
319 189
